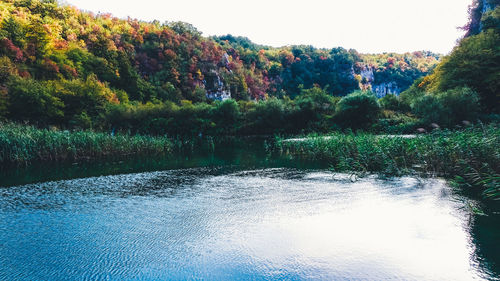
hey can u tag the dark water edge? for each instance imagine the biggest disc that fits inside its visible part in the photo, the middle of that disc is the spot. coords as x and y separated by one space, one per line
238 155
230 153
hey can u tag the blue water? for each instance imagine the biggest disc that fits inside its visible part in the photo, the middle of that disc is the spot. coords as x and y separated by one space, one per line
216 224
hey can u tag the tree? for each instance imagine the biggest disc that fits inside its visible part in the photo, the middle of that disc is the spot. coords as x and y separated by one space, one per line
429 109
30 100
183 28
358 110
390 102
314 108
14 31
37 40
226 114
459 104
474 63
82 98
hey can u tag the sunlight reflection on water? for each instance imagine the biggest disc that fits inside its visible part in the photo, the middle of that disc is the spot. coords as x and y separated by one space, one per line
258 224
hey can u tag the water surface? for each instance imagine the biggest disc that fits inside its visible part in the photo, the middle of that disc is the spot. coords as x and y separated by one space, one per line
232 224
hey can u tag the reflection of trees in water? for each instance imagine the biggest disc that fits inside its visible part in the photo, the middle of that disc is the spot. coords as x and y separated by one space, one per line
201 154
485 233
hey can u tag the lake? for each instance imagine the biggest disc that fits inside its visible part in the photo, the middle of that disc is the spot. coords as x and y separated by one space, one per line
237 214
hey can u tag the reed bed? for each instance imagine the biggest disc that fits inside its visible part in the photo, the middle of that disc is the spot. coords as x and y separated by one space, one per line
471 157
21 144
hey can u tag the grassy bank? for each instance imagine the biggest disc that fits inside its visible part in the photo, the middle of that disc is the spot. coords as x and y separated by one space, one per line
24 144
471 157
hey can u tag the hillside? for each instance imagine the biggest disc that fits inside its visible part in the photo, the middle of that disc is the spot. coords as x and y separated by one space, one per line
474 62
60 65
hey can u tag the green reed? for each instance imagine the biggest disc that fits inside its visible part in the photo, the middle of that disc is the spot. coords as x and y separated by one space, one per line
21 144
471 157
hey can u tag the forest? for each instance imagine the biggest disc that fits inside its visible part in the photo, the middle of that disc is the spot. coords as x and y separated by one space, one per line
64 68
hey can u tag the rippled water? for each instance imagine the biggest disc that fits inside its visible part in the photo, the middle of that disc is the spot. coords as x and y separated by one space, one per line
209 223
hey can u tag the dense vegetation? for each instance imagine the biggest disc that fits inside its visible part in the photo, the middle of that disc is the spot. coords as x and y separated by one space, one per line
71 69
25 144
464 87
474 62
140 82
471 156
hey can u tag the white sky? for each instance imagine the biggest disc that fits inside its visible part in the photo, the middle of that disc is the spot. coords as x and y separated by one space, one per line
369 26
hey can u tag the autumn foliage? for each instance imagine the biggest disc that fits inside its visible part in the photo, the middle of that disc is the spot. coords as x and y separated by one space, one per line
51 53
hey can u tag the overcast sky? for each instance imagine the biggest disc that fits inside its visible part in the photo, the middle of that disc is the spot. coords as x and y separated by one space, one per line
369 26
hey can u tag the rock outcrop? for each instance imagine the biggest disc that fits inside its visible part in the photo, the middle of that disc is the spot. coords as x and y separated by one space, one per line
383 89
215 87
380 88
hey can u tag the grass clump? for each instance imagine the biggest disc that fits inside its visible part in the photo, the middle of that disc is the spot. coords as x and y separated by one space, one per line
21 144
470 157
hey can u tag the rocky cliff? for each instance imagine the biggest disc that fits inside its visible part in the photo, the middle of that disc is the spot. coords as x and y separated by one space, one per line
380 88
477 11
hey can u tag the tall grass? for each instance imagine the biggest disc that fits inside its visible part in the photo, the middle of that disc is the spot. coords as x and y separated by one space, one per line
471 156
23 144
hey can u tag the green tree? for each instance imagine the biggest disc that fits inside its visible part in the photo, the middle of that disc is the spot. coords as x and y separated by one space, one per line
226 115
358 110
390 102
315 108
459 104
474 63
14 31
30 100
37 39
88 97
429 109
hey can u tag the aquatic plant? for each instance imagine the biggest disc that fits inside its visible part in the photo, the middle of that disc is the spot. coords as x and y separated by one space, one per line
470 156
21 144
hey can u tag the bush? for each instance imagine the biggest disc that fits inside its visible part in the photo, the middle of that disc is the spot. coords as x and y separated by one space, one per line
30 100
88 96
408 97
226 115
448 108
82 121
266 117
393 122
358 110
314 108
473 63
390 102
4 103
429 109
459 104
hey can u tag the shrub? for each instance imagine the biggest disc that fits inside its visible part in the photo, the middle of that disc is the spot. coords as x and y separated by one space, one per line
473 63
81 120
314 107
459 104
79 96
358 110
448 108
390 102
429 109
266 117
30 100
226 114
